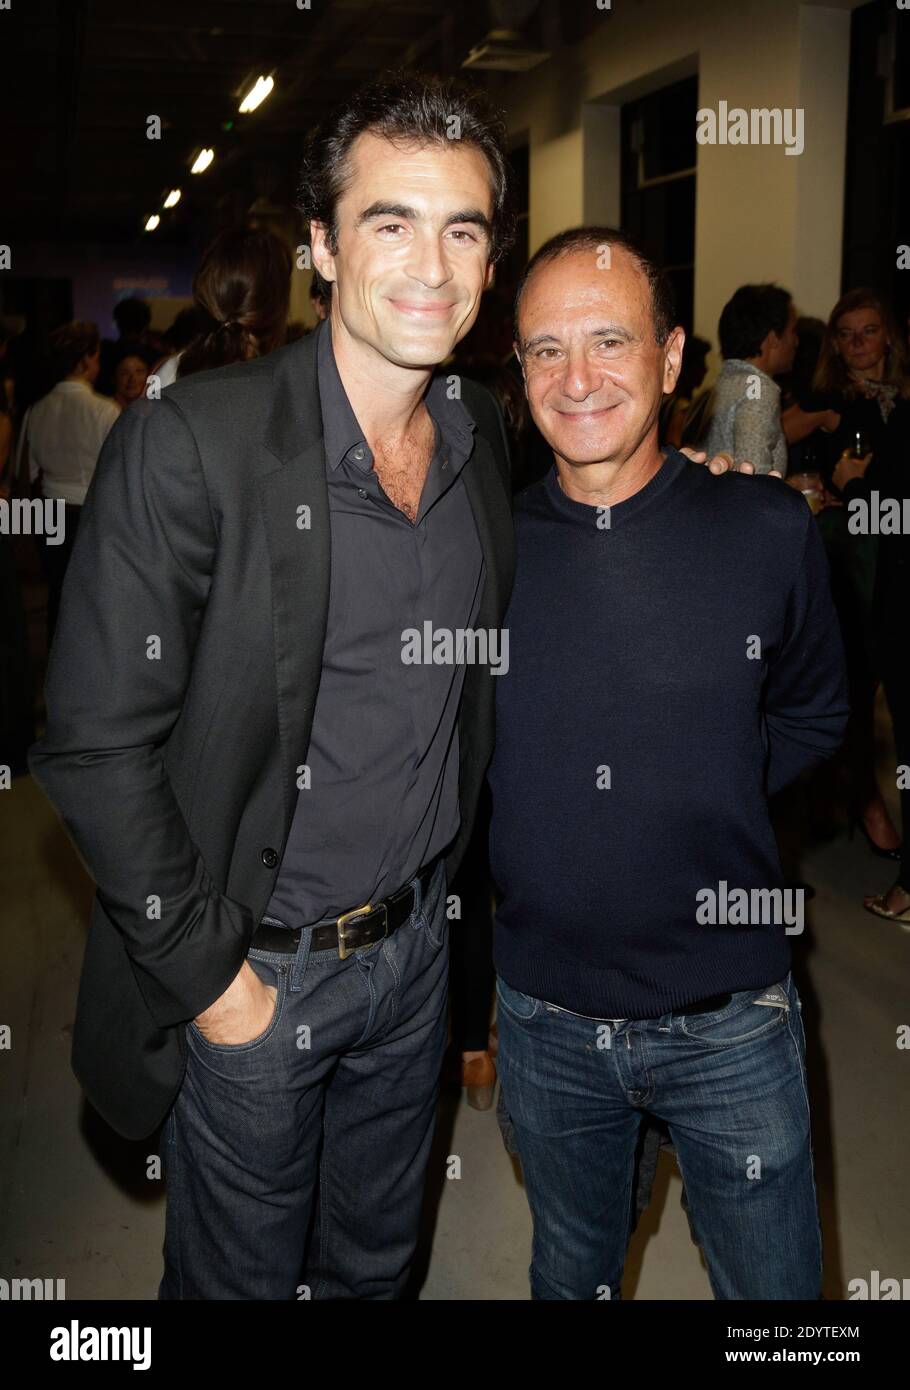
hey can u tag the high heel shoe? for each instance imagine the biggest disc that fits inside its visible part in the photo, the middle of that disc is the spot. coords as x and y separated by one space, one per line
857 821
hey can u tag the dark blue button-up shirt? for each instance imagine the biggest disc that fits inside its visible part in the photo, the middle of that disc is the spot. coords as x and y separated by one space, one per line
383 754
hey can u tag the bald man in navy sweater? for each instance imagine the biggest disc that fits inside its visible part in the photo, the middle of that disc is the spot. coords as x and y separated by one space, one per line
675 659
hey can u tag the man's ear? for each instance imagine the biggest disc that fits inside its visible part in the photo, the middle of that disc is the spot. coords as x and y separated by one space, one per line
323 259
516 348
488 276
673 354
770 341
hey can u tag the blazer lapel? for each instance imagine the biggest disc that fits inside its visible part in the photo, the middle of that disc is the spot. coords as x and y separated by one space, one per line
493 518
295 508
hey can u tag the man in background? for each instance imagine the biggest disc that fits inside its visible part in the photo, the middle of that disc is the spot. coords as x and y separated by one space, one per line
758 339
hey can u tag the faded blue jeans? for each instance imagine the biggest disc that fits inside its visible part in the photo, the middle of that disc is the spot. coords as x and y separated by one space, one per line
731 1086
325 1121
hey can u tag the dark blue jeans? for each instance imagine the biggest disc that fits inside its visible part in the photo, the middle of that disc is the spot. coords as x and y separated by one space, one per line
731 1086
334 1104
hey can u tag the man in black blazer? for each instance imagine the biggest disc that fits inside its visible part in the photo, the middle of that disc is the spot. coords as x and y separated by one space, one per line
268 791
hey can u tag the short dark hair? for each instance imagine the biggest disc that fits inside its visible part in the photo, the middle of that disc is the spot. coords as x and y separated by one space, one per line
70 343
403 106
132 317
128 348
663 309
748 318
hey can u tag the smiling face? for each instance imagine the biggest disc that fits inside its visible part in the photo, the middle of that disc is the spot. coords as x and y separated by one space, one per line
129 378
862 339
594 372
413 247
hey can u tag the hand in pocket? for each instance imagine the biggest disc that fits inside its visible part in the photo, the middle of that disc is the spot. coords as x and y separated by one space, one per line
242 1013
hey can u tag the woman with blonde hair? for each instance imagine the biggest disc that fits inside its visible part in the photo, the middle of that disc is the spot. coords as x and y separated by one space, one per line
864 375
863 355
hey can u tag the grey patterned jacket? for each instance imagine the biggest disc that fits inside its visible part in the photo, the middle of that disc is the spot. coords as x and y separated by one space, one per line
746 418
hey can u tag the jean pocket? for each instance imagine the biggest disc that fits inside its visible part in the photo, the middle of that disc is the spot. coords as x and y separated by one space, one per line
522 1007
270 973
431 918
743 1019
435 933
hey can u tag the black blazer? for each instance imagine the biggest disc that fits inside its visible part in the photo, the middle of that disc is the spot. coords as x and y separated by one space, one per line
180 693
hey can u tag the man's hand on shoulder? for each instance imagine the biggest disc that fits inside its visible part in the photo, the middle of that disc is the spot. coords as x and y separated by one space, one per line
724 463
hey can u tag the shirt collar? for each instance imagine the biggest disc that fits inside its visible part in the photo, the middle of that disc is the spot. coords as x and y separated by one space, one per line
739 364
341 430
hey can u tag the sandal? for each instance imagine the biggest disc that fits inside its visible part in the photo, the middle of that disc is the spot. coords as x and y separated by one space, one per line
877 904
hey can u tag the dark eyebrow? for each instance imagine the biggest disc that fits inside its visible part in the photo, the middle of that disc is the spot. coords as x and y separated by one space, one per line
536 341
475 216
614 331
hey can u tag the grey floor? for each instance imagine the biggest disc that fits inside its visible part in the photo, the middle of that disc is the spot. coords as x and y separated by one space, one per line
76 1203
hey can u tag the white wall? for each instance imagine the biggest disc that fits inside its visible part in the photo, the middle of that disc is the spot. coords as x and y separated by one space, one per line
760 214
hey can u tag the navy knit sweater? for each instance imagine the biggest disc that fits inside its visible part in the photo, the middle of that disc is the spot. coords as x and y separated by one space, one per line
665 676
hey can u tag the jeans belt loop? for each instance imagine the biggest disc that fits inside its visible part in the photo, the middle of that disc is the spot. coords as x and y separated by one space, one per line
301 958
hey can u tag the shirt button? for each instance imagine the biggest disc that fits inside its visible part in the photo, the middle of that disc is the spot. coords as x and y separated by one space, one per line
269 857
362 492
358 453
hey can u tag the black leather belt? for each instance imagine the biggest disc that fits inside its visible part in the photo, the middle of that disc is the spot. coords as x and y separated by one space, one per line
359 927
709 1005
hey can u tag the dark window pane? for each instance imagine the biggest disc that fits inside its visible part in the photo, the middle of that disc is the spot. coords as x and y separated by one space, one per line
658 140
667 126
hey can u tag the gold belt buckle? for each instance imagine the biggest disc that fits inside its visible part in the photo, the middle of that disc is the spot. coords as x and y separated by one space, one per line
345 917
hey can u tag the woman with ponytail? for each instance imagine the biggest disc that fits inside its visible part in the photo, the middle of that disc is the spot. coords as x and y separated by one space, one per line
242 290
